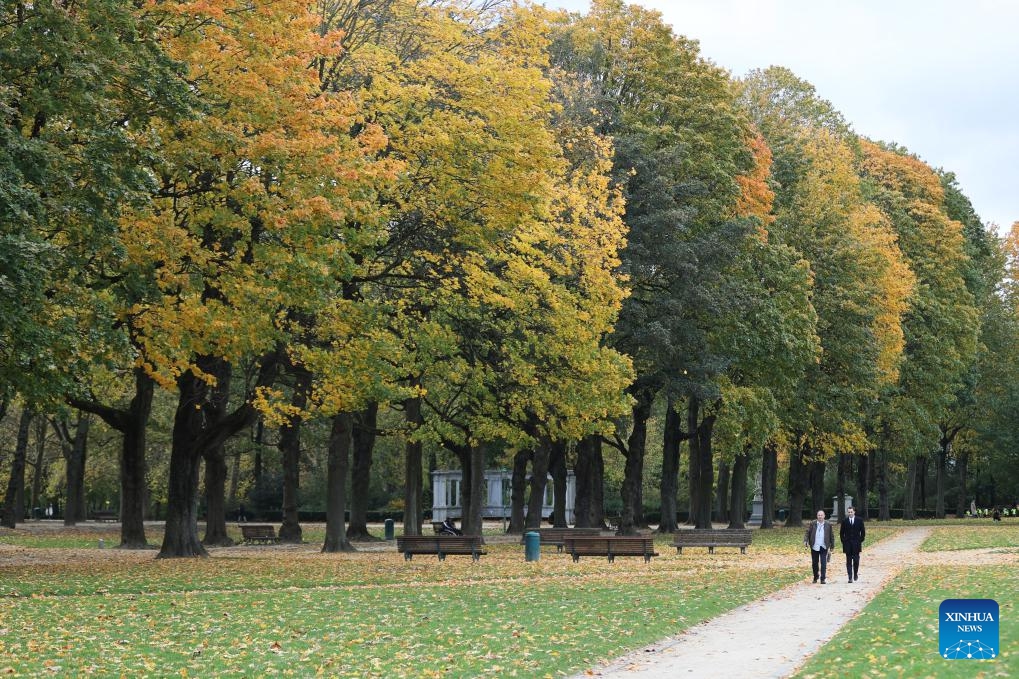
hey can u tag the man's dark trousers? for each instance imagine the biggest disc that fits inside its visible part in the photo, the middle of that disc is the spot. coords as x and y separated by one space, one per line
821 556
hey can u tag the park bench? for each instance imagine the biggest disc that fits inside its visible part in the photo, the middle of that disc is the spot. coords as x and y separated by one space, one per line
713 537
555 536
440 545
609 546
105 515
262 533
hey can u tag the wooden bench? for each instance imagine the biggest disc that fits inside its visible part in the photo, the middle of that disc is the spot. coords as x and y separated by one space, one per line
105 515
440 545
713 537
610 546
555 536
262 533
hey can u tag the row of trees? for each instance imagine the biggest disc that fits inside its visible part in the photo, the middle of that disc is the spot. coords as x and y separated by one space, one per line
518 230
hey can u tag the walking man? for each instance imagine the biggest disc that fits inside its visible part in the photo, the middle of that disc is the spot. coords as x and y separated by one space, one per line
851 535
820 538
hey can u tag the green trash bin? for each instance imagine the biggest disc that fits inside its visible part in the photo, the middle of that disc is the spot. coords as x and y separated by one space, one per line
532 546
390 532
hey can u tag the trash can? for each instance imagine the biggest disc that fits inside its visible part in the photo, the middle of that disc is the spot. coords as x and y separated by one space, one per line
389 529
532 546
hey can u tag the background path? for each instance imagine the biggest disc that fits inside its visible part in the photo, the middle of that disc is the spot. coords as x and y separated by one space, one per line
772 636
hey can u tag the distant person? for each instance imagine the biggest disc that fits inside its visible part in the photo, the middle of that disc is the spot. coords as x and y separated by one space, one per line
449 528
851 535
820 539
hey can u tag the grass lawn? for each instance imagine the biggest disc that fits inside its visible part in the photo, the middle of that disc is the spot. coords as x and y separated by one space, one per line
896 635
973 536
357 615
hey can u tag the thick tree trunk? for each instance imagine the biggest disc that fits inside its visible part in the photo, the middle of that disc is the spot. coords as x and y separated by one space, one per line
76 452
473 515
365 425
738 500
769 484
884 509
722 493
196 429
816 472
909 493
413 512
215 499
861 502
961 462
796 487
557 468
702 435
670 469
518 492
539 479
14 498
290 450
336 484
939 503
633 474
583 472
38 464
840 484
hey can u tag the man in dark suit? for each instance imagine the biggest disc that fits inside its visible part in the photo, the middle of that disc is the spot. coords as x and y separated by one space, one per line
820 539
851 535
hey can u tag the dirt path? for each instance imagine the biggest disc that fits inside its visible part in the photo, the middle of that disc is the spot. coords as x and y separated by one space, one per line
773 636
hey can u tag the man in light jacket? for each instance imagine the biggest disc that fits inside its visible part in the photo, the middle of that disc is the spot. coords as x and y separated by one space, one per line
820 539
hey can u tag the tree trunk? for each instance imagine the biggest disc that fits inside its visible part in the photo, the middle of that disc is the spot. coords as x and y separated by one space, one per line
14 499
290 449
518 492
884 509
840 484
336 484
583 472
816 471
769 484
633 474
909 493
365 425
722 493
473 514
42 426
738 501
943 453
76 452
539 479
413 512
195 429
180 538
796 488
557 467
670 469
961 462
215 465
215 499
863 472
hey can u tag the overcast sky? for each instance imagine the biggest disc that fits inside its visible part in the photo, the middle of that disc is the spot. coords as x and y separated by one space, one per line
939 77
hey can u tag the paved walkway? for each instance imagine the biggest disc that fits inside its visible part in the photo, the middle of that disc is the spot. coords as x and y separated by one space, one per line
772 636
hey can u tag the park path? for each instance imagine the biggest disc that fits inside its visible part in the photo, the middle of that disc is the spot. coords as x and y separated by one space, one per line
774 635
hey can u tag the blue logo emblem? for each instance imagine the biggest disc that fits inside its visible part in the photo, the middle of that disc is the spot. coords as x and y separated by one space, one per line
968 629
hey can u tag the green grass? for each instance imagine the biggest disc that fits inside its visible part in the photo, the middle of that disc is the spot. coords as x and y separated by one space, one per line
362 615
970 536
896 635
